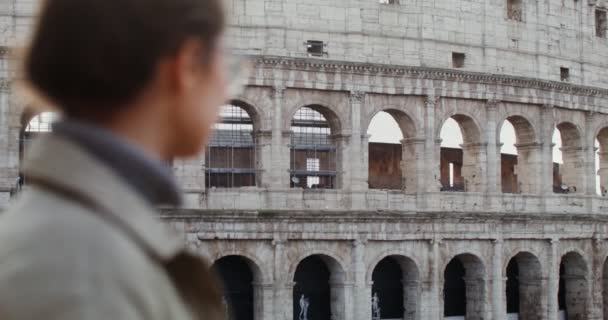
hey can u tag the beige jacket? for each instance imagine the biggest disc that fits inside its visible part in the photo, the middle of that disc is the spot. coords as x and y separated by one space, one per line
81 244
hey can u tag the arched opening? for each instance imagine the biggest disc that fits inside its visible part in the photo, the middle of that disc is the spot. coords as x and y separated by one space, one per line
573 292
567 159
32 127
462 155
464 288
392 151
519 156
230 159
395 289
238 275
601 161
318 292
523 287
314 149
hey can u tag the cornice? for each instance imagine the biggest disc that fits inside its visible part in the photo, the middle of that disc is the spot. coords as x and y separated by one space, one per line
424 73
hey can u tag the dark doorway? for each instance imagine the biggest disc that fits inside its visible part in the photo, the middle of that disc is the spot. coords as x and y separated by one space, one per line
454 290
312 281
561 294
513 287
237 279
388 285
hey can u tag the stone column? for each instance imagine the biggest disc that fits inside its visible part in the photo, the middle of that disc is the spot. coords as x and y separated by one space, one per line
529 167
359 172
493 163
573 169
412 159
190 176
590 172
474 170
431 149
596 282
498 282
431 299
343 160
362 289
553 280
365 158
283 285
279 168
603 173
263 301
547 127
264 151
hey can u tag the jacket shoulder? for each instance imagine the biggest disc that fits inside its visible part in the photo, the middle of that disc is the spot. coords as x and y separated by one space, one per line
54 250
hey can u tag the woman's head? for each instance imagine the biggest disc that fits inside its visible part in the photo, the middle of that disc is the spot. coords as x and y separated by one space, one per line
97 60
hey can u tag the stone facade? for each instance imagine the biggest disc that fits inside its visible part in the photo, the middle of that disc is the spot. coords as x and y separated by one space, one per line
397 58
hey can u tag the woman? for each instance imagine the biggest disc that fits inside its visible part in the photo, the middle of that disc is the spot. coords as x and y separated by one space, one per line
138 82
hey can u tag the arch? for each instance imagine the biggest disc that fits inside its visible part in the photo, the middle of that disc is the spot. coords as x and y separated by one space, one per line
231 155
521 173
464 287
464 170
524 286
322 107
318 292
404 119
329 257
254 263
394 166
238 277
254 112
396 288
314 149
568 177
573 293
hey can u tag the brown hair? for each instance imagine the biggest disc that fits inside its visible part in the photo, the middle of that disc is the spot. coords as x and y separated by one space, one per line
90 57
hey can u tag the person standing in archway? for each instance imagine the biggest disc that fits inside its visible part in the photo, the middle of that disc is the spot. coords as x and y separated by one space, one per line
138 83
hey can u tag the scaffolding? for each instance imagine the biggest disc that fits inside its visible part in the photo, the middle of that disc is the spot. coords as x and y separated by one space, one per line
40 124
230 160
313 158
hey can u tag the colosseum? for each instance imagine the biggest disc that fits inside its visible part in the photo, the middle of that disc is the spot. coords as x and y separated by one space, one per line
306 216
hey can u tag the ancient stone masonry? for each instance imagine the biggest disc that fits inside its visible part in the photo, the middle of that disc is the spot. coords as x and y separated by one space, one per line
292 199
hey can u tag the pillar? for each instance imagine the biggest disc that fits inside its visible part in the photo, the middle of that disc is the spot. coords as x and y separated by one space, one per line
493 163
343 160
498 282
265 177
263 295
431 148
553 280
279 168
529 167
412 158
590 172
603 173
431 302
573 169
474 170
362 292
283 284
547 127
596 282
359 170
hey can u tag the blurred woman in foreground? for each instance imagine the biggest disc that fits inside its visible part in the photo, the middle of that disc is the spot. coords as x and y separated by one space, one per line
137 82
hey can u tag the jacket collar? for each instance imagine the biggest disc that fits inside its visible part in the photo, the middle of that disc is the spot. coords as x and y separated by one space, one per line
63 163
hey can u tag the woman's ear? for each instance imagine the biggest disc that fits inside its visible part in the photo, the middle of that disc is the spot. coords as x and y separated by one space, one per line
188 65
